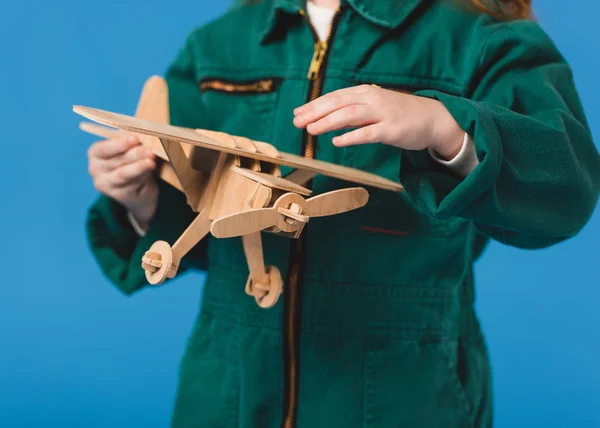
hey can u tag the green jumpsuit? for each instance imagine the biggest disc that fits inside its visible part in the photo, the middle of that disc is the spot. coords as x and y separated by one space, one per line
376 327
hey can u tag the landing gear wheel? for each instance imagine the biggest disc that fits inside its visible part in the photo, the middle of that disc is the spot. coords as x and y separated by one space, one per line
158 263
266 295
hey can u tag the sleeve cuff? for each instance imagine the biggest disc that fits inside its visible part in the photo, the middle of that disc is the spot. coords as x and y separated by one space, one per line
136 226
431 186
119 249
466 160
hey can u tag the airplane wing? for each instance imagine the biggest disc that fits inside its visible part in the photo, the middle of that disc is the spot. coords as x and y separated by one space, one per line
110 133
189 136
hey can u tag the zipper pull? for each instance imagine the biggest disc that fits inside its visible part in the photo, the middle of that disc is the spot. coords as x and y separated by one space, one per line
317 60
265 85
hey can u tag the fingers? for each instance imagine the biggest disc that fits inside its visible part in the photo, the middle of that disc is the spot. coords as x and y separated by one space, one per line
329 103
101 163
120 178
134 154
365 135
122 170
131 172
359 106
109 149
132 192
347 117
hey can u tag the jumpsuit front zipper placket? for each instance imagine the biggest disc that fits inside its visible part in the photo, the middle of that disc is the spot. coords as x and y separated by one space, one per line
292 303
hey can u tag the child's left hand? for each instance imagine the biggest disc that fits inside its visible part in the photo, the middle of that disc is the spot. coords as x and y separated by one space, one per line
383 116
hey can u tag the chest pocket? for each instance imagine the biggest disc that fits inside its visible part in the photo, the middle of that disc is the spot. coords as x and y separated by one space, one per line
241 107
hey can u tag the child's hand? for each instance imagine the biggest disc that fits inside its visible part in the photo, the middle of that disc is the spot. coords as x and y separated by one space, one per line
122 169
385 116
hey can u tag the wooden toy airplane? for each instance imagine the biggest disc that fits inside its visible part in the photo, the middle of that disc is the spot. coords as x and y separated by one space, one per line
233 183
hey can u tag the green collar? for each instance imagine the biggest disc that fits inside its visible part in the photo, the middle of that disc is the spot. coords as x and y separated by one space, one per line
384 13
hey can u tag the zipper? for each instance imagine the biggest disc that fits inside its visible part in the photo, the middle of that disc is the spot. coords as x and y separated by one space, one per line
292 299
317 60
316 73
254 87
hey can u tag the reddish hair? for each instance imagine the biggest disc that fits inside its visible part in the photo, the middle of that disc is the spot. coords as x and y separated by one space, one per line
507 9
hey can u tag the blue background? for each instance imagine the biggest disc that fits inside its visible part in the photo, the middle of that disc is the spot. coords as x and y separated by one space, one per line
74 352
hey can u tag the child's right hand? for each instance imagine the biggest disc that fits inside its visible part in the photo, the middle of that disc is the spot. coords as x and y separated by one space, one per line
122 170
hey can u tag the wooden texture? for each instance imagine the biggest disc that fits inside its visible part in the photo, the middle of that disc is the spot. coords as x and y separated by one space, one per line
242 223
266 149
266 295
238 193
270 168
272 181
209 195
153 105
191 137
195 232
254 256
159 264
100 130
301 176
202 159
166 172
228 140
336 202
238 224
264 283
290 212
192 181
200 226
225 139
249 164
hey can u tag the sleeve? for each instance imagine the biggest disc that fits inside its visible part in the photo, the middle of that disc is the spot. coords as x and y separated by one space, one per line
136 226
538 177
116 246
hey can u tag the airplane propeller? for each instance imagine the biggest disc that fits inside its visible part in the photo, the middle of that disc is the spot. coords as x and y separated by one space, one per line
289 212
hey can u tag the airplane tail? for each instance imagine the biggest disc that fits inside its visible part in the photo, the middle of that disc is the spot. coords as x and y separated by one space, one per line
153 106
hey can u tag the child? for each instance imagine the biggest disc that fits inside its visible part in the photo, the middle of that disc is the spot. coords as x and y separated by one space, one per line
469 105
